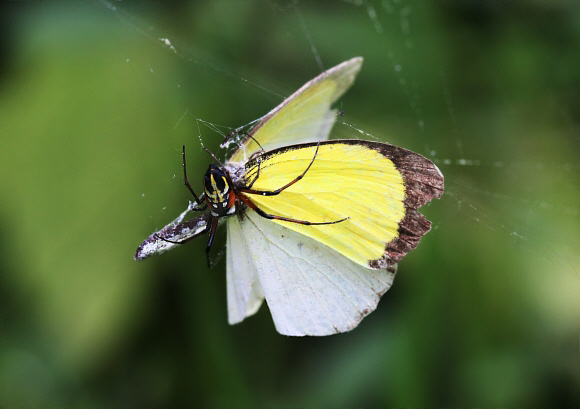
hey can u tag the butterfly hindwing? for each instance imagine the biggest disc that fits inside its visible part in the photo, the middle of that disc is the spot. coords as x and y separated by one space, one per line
310 289
245 293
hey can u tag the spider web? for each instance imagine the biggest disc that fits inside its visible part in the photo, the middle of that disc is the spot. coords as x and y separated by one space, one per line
510 173
508 207
460 83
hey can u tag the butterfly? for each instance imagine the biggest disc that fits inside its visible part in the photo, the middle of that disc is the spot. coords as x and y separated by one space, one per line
315 227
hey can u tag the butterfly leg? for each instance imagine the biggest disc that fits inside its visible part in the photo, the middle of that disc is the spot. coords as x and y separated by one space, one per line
255 178
254 155
262 213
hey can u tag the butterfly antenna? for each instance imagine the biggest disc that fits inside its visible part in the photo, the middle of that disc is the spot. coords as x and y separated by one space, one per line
258 143
247 134
229 136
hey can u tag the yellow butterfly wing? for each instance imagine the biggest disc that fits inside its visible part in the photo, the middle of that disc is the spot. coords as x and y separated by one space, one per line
377 187
305 116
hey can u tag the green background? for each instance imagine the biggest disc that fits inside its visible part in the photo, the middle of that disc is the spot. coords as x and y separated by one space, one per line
94 109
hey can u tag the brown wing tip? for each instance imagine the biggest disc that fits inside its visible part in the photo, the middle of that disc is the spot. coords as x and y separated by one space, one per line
411 229
423 182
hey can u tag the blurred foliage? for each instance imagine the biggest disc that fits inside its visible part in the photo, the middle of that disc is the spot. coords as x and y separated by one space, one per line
94 109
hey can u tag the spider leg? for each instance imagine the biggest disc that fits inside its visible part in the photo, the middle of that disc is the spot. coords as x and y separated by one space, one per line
265 215
278 191
213 228
185 181
214 157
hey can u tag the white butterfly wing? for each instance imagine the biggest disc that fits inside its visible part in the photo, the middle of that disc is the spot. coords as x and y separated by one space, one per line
310 289
244 290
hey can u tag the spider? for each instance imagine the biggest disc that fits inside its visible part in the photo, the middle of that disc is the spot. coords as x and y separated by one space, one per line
224 197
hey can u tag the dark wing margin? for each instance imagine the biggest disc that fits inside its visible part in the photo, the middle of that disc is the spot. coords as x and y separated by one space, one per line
423 182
